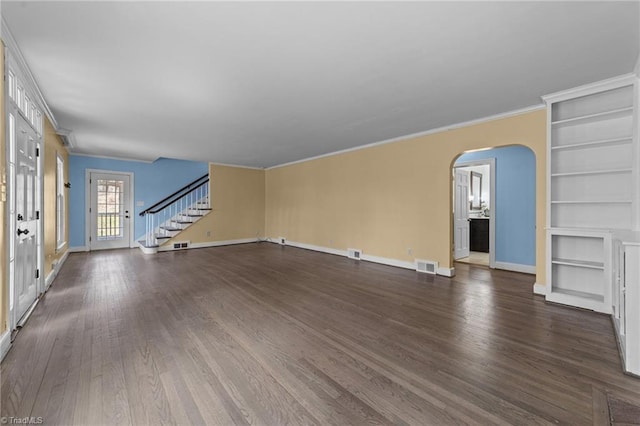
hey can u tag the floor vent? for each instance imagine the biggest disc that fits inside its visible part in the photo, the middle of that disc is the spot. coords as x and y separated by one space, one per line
354 254
180 245
282 241
426 266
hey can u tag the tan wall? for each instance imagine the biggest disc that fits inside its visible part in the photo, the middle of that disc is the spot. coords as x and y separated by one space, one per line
52 147
238 200
388 198
4 278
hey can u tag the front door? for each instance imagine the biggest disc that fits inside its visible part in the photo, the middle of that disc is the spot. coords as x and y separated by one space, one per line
461 214
110 211
25 248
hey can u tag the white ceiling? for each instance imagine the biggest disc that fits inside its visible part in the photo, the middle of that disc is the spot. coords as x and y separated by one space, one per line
264 83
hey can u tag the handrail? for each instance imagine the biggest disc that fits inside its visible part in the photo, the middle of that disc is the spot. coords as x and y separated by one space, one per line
178 194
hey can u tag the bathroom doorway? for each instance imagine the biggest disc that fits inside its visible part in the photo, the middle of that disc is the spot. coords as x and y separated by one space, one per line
474 225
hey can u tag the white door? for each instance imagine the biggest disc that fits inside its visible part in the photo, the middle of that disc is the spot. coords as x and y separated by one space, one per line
109 211
25 214
461 214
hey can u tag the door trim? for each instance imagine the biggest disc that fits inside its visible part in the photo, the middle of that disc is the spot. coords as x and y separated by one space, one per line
491 162
87 205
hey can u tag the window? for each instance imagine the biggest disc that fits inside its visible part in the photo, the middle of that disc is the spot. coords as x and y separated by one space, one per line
39 122
60 202
12 85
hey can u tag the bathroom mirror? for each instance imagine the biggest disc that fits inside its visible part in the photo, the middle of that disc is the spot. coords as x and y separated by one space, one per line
476 191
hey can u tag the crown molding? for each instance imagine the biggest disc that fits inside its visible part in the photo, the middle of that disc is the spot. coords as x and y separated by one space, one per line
419 134
236 165
106 157
15 55
587 89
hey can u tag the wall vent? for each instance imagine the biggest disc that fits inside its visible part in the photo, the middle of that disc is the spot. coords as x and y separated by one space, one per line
426 266
180 245
354 254
282 241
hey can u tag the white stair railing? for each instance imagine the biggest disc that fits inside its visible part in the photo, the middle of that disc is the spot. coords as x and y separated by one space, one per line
176 212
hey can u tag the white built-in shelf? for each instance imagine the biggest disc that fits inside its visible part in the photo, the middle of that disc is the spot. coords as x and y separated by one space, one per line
591 202
592 172
597 116
578 263
594 144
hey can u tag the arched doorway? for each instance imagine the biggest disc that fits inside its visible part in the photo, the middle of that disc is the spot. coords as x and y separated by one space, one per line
500 209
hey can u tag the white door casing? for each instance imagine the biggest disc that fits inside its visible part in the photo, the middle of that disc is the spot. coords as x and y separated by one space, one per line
461 214
110 210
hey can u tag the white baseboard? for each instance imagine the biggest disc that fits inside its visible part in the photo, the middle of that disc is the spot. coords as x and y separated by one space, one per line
78 249
540 289
56 269
447 272
322 249
516 267
5 344
212 244
390 262
147 250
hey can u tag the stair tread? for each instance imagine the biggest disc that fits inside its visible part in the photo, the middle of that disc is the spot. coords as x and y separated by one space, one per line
170 228
162 237
195 215
183 221
203 208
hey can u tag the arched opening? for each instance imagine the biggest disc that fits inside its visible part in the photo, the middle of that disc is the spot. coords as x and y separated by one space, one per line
495 219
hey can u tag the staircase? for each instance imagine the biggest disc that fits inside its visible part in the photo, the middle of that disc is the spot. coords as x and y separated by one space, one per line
167 218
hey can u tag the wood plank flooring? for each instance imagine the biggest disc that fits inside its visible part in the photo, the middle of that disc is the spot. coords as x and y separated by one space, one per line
263 334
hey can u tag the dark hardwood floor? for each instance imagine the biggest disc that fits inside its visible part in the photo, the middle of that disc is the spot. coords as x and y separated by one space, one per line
263 334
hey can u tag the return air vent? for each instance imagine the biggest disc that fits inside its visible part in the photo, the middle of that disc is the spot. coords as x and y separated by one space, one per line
354 254
426 266
282 241
180 245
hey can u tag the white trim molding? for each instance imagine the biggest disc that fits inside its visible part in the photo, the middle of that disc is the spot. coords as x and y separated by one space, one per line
16 54
516 267
312 247
389 262
587 89
78 249
5 344
539 289
56 269
447 272
236 165
417 135
108 157
208 244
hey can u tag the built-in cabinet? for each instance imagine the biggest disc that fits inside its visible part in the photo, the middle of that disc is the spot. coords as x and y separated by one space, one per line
626 299
592 209
479 234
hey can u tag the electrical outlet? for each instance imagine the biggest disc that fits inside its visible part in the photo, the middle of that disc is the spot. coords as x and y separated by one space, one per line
330 243
208 233
409 251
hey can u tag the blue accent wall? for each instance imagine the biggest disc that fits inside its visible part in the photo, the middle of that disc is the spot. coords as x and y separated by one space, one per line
152 182
514 203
